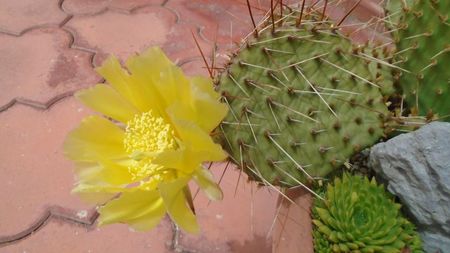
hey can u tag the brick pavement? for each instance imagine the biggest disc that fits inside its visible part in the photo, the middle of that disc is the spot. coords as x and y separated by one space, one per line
48 49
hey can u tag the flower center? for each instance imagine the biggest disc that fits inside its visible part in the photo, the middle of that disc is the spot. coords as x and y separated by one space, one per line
148 133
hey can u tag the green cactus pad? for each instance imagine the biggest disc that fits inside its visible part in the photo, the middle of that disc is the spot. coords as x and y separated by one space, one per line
423 47
302 100
357 215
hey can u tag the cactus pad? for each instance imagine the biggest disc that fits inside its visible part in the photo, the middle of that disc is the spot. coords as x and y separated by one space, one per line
424 49
302 100
359 216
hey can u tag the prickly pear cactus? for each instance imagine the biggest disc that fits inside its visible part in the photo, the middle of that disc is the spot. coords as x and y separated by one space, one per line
302 100
423 50
359 216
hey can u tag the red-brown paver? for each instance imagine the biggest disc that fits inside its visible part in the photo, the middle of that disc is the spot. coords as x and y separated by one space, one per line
18 16
89 7
40 65
122 34
241 222
61 237
35 174
225 22
292 231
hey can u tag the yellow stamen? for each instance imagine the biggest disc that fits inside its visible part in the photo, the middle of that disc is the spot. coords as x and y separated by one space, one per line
146 134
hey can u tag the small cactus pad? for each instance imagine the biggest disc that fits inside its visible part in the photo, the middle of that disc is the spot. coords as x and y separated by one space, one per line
423 49
302 100
357 215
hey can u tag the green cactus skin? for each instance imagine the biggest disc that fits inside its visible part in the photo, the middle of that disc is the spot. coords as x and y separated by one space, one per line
302 100
360 216
423 47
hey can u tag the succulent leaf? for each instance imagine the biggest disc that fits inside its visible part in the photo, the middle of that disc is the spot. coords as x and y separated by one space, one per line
375 224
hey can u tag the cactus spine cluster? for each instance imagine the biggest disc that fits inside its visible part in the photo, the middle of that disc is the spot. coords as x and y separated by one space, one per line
423 51
359 216
302 99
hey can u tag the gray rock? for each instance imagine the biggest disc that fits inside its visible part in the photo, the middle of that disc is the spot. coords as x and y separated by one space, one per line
416 168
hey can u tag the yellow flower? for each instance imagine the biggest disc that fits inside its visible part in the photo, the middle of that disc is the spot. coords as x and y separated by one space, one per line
141 161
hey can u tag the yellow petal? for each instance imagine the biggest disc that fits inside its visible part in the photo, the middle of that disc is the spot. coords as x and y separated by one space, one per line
209 110
205 85
132 207
177 206
198 142
95 198
174 86
206 103
205 113
147 69
106 100
203 108
147 221
179 159
96 194
127 86
94 139
103 172
181 112
116 76
149 63
210 113
104 187
205 181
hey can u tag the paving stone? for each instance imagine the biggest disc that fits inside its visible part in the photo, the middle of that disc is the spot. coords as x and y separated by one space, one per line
223 21
240 223
120 33
58 237
39 65
355 25
17 16
180 44
194 66
84 7
35 174
131 4
293 227
365 11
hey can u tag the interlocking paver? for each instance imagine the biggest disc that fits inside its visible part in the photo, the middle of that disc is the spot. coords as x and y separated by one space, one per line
131 4
59 237
84 7
241 222
180 44
39 65
355 25
223 21
194 66
94 6
17 16
292 230
35 174
120 33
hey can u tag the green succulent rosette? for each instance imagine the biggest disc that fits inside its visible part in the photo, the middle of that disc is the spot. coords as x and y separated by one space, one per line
360 216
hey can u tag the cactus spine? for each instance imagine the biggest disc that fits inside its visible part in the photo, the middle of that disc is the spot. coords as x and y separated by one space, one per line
423 51
302 99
